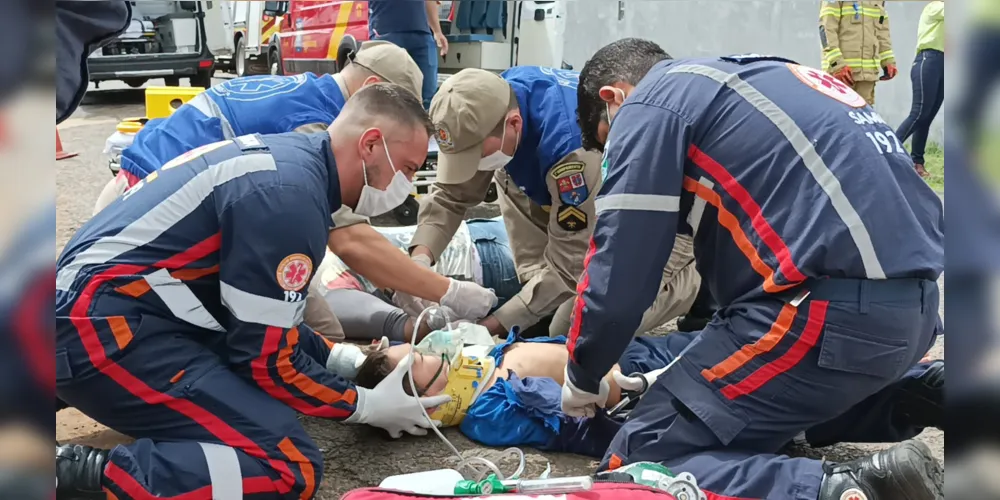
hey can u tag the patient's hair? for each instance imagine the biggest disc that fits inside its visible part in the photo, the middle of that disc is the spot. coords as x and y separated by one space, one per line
376 368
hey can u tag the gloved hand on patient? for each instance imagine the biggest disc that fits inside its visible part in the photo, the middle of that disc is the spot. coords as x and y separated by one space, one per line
463 300
389 406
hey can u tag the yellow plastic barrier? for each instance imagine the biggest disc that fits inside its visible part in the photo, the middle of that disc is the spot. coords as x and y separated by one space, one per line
162 101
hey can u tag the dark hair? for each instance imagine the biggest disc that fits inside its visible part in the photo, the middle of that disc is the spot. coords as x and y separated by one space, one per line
626 60
389 100
376 368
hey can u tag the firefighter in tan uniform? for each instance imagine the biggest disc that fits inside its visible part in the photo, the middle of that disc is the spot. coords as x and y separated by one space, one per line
520 129
856 44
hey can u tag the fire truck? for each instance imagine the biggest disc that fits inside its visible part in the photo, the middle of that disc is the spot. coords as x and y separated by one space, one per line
301 36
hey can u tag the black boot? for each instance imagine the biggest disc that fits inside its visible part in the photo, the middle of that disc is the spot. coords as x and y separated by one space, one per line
79 470
905 471
921 401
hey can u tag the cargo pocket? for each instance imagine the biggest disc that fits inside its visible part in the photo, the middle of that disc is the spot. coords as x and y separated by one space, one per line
847 350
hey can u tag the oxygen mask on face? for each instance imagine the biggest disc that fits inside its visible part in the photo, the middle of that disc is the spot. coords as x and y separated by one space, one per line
448 343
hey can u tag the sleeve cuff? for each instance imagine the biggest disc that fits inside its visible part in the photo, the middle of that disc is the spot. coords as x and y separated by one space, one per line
581 379
431 237
515 313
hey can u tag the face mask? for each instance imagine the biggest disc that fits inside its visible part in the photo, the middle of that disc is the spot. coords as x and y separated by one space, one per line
449 342
499 159
607 105
375 202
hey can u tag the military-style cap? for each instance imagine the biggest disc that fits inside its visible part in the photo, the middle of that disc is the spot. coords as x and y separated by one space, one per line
392 63
468 106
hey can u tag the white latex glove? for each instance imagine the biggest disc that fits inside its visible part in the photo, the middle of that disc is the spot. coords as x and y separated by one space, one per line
388 407
469 300
579 403
421 259
408 303
637 382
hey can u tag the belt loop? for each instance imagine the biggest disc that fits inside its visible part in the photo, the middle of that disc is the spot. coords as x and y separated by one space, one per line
864 293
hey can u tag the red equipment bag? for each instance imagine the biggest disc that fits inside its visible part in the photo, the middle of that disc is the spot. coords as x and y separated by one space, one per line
600 491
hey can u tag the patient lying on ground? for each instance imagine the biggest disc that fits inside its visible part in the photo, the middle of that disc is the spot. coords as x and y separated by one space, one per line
509 394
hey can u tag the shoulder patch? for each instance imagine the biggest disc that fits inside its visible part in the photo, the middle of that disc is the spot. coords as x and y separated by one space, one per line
571 218
853 494
566 169
826 84
572 186
194 153
294 272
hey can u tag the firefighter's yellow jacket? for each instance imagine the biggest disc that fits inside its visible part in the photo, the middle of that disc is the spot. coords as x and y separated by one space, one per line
856 34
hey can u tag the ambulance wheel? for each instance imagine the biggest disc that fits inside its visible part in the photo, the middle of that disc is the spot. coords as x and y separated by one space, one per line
274 63
406 214
491 193
172 81
240 57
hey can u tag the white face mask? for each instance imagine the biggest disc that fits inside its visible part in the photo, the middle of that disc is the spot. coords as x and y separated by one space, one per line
499 159
375 202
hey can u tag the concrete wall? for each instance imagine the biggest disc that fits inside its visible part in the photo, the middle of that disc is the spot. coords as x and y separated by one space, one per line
789 28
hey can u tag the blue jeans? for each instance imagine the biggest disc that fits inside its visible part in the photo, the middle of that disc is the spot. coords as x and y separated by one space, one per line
423 49
927 75
496 259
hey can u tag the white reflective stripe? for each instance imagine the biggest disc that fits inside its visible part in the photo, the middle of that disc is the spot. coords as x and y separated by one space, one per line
208 107
251 308
698 208
812 160
181 300
224 471
649 202
164 215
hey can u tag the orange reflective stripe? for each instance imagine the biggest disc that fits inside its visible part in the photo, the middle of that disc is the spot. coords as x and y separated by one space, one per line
730 222
293 377
308 472
177 378
193 274
134 289
614 462
121 331
778 330
140 287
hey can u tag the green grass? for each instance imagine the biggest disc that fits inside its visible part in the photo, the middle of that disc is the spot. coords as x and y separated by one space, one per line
934 163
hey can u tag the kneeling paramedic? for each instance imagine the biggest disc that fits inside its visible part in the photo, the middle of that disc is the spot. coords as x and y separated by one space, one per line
827 297
302 103
520 128
179 309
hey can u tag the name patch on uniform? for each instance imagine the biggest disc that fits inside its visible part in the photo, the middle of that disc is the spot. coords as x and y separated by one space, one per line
827 85
572 186
250 142
571 218
194 153
294 272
